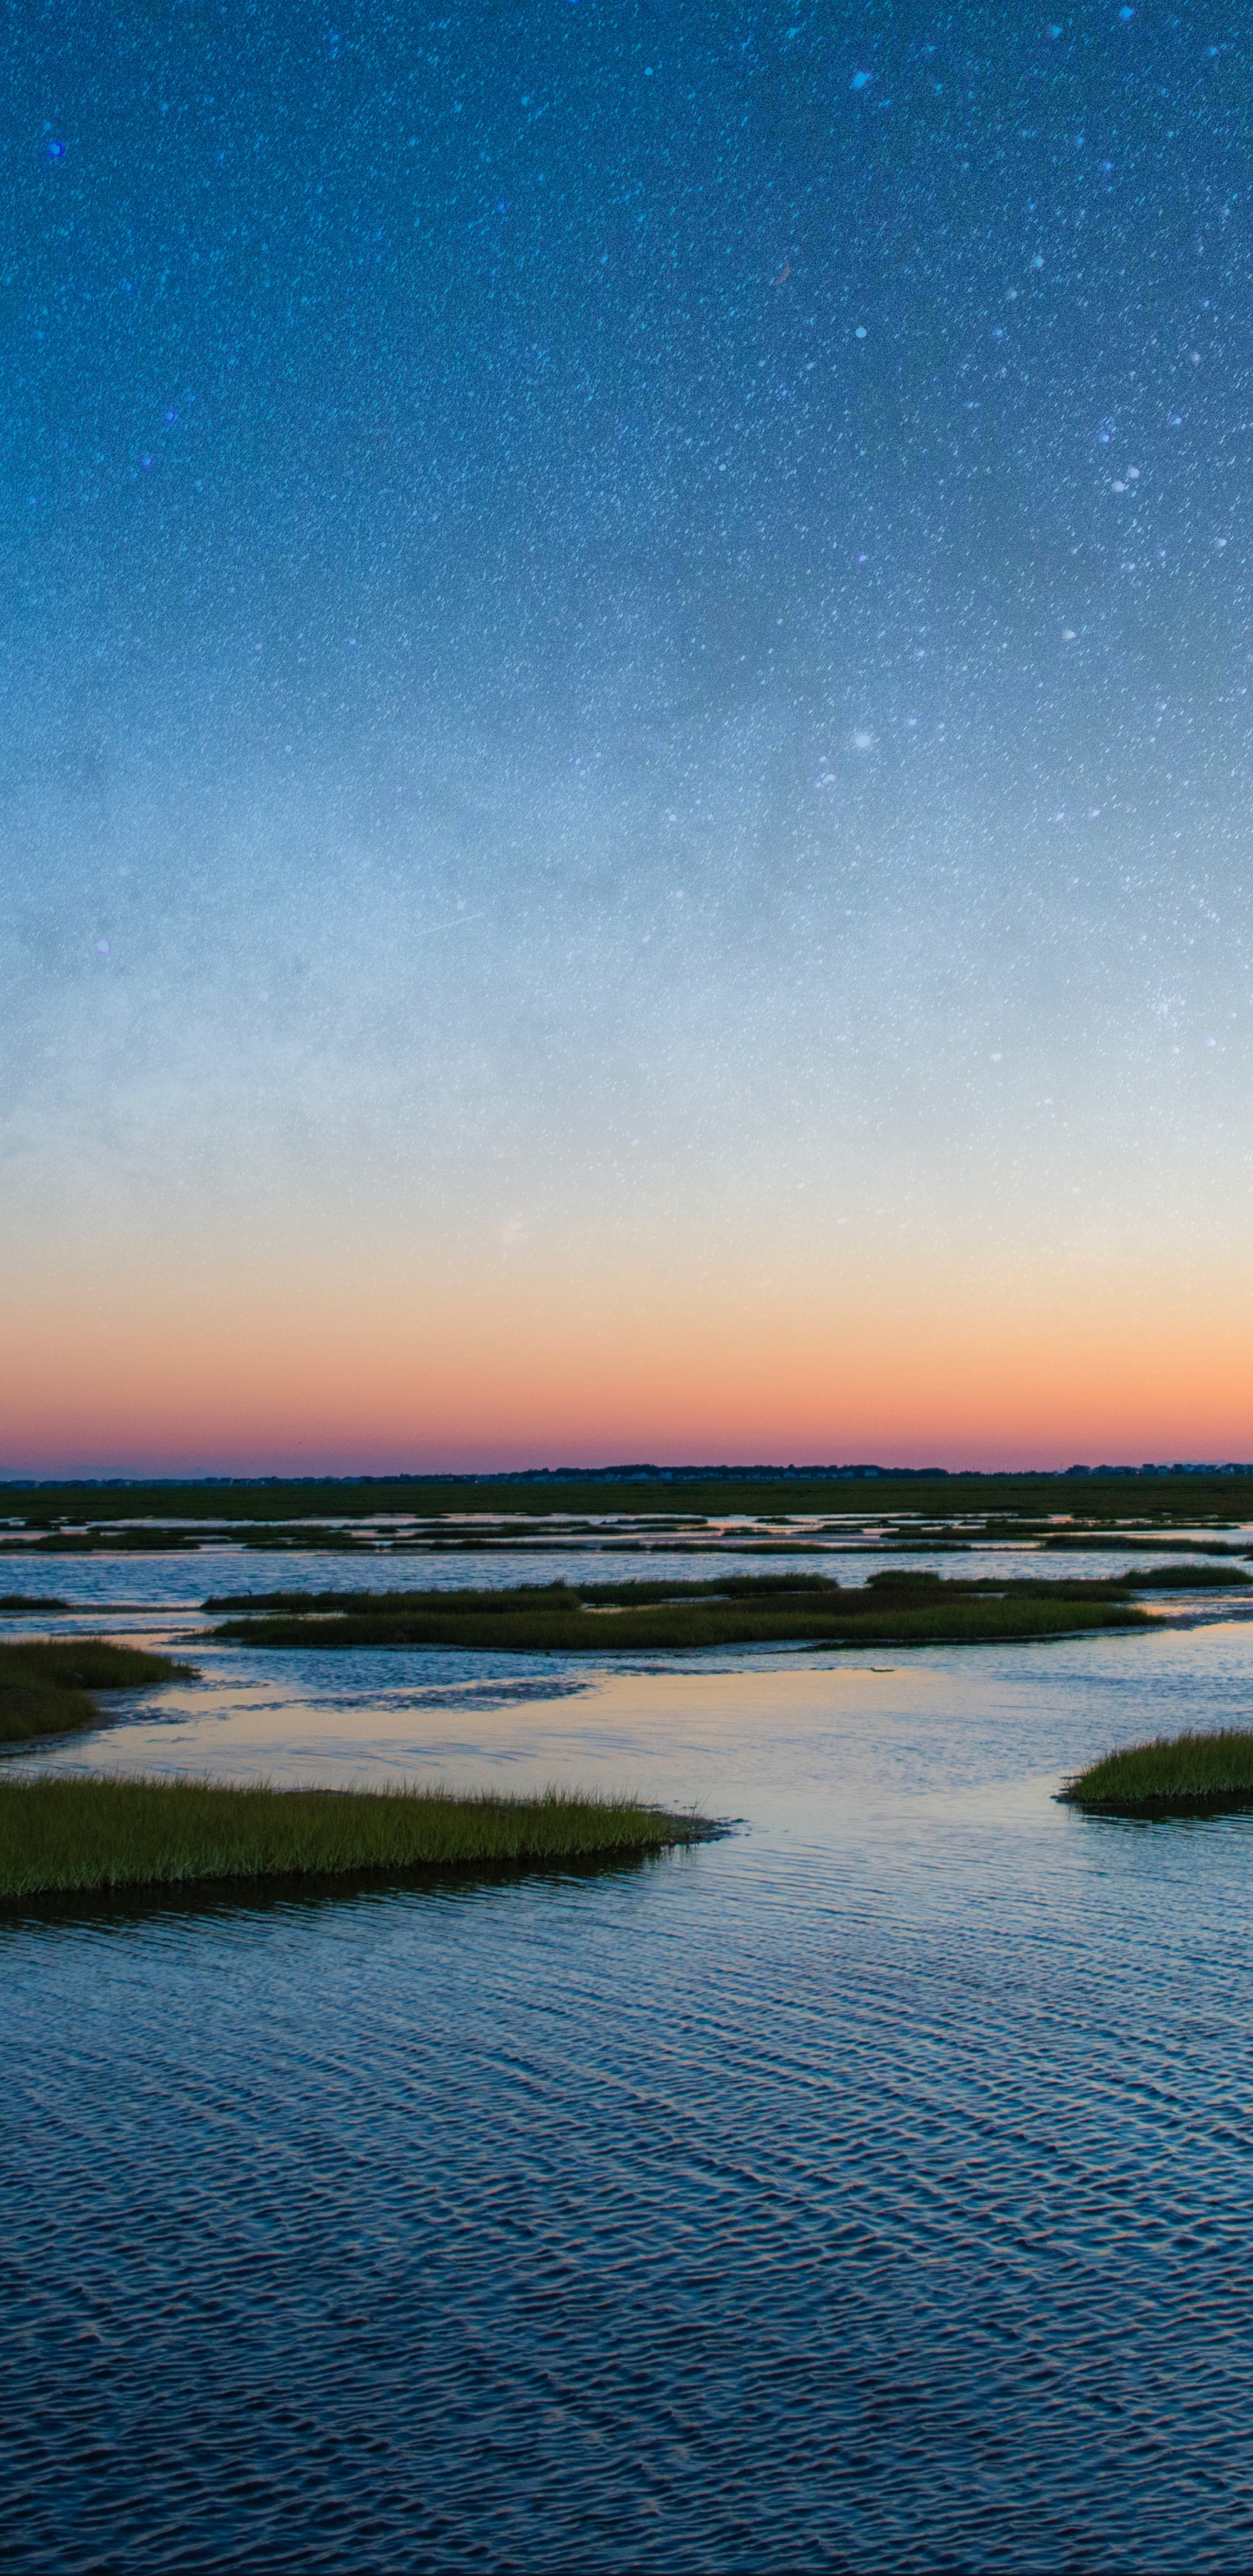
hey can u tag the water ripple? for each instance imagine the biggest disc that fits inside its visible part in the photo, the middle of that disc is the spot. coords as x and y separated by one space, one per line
874 2188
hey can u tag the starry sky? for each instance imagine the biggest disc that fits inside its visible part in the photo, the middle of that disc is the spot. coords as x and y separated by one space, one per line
624 759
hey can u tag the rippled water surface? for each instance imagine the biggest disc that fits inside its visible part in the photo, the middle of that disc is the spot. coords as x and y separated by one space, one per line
871 2188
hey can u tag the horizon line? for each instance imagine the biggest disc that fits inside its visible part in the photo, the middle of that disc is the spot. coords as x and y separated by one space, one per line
637 1472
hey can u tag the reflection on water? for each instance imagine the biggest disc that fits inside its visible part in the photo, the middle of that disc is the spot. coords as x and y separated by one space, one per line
141 1581
871 2188
125 1908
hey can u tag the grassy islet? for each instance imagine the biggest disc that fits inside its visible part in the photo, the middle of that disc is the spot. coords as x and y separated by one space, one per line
1171 1775
47 1685
894 1608
75 1835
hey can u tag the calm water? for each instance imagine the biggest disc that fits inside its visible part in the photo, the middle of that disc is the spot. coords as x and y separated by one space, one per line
873 2188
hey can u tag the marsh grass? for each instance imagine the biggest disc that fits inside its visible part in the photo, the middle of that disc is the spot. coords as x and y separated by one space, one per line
1175 1775
894 1608
639 1593
66 1835
1011 1502
152 1539
1135 1542
1186 1578
47 1685
145 1541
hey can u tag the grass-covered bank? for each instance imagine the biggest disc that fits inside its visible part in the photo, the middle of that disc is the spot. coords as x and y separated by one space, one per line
67 1835
897 1609
47 1686
1202 1495
1176 1775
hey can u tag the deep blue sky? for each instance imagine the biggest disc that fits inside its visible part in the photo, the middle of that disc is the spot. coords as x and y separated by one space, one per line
624 617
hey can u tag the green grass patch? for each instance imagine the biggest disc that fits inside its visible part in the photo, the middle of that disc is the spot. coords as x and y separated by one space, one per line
1174 1775
147 1541
47 1686
894 1608
1129 1542
708 1491
641 1593
152 1539
68 1835
1192 1577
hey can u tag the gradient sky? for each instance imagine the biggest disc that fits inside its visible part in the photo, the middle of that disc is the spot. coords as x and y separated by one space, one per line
625 781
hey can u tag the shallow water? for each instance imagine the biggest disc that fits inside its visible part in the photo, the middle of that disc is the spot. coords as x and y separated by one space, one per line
873 2187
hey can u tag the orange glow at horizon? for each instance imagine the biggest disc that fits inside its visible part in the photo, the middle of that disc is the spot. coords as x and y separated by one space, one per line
172 1375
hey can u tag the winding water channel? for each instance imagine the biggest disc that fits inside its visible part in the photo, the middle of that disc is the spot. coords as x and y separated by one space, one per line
873 2187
